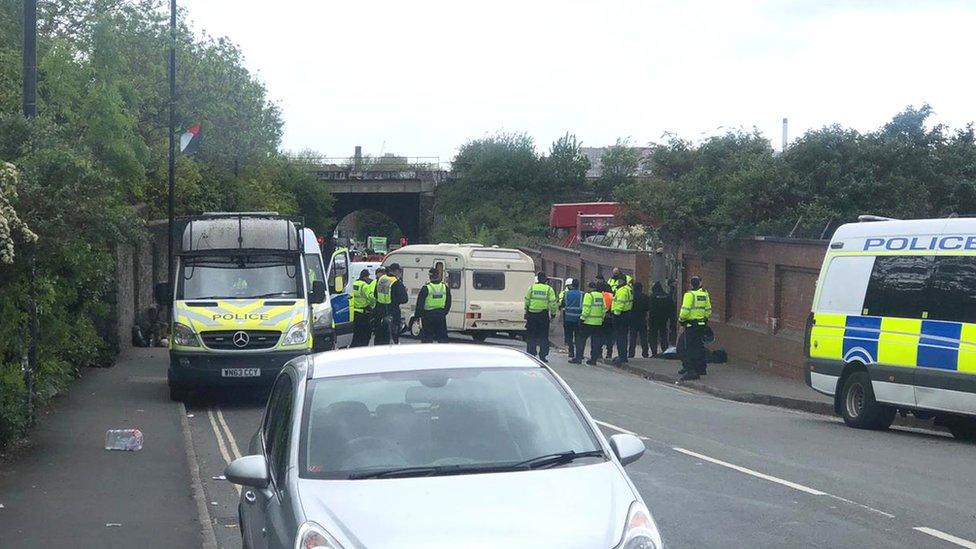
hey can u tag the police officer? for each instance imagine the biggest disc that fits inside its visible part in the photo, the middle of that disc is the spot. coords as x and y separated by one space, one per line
540 306
591 325
615 275
362 310
433 304
696 308
623 303
571 302
638 321
390 294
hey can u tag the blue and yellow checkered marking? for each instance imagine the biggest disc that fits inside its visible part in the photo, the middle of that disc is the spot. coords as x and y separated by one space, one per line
906 342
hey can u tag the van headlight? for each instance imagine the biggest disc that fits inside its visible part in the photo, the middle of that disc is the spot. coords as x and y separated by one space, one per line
312 536
640 532
184 336
297 334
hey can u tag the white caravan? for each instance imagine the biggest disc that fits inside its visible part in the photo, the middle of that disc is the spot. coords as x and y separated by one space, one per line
488 285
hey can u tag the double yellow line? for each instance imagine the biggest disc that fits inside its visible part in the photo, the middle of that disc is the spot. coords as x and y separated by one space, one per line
220 432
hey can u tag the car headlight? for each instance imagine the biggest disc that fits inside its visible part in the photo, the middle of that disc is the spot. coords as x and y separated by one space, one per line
312 536
297 334
184 336
640 532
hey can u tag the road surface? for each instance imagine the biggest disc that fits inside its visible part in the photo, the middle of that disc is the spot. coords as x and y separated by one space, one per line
719 473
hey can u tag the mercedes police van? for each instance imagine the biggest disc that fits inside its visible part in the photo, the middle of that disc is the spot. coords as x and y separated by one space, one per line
242 302
893 326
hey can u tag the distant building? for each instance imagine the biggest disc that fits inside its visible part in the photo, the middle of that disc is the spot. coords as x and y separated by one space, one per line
595 156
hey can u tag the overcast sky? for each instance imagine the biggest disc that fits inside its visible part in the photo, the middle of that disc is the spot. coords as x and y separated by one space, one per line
419 78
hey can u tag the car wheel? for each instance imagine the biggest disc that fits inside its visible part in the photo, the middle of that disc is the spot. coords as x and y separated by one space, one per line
961 427
858 406
177 392
480 337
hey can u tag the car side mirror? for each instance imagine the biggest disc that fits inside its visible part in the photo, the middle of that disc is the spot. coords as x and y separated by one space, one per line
628 448
162 294
249 471
318 292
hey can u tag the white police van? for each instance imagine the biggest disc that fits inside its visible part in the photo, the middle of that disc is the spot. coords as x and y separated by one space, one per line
893 325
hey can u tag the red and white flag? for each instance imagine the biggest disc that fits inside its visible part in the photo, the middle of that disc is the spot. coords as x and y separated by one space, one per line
190 140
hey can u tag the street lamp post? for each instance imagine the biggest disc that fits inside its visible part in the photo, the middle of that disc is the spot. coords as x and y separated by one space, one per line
172 139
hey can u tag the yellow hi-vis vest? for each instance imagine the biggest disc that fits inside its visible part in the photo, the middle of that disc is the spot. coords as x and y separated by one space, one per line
384 289
593 309
361 299
623 299
541 297
436 296
613 282
696 306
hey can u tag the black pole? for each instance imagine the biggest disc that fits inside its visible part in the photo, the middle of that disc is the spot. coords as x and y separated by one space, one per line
30 58
172 138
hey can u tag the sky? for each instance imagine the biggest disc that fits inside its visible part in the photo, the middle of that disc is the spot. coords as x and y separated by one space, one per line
421 78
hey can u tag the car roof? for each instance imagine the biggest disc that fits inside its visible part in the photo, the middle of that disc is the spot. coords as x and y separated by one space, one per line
903 227
401 358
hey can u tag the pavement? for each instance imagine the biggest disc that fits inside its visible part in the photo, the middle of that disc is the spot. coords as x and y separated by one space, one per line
66 490
716 473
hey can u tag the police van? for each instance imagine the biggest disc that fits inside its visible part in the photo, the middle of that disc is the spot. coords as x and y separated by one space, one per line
242 300
893 326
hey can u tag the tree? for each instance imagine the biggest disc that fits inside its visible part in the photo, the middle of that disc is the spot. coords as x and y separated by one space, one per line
618 166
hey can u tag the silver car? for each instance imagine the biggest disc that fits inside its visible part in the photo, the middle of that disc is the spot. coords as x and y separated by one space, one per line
435 446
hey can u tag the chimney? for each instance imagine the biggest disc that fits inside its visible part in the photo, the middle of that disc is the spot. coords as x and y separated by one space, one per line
785 126
358 155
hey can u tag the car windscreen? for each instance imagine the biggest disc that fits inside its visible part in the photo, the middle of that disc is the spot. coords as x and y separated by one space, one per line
240 277
441 421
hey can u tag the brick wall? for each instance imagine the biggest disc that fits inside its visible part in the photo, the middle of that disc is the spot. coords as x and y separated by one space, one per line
762 291
589 260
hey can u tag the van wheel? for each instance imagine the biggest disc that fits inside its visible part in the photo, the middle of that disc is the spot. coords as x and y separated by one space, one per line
962 428
480 337
177 393
858 406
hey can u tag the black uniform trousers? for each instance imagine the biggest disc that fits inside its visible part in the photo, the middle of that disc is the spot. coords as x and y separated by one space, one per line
537 334
434 327
659 336
387 324
621 334
570 334
362 328
638 331
693 357
595 335
606 335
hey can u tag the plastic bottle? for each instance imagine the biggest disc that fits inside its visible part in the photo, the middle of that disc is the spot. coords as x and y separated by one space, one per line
129 440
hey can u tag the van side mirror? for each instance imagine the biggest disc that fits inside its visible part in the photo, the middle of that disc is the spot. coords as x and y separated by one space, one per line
340 284
162 294
318 292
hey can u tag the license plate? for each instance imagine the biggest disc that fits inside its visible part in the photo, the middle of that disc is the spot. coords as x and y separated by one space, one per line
240 372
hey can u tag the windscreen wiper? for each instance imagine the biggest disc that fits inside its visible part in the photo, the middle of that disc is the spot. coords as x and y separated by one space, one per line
405 472
559 458
435 470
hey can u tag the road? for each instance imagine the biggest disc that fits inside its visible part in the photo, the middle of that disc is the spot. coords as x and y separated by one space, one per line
719 473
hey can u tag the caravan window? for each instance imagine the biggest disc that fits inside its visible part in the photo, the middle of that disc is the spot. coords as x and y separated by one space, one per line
489 280
844 285
952 289
454 279
898 286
